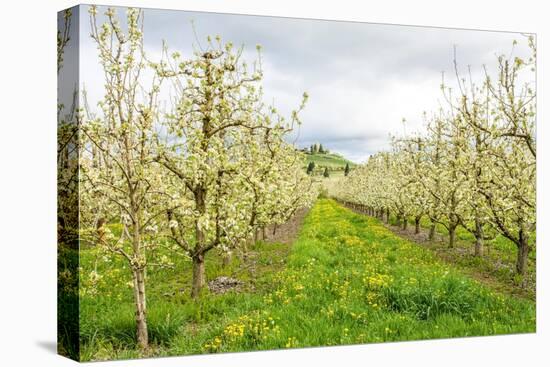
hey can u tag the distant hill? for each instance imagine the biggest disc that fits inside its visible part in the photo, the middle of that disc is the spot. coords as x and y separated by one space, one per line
333 161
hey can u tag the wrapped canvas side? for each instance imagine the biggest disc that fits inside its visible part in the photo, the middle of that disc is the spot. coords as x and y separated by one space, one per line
68 331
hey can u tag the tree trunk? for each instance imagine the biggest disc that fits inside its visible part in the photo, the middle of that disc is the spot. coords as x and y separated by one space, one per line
417 225
100 228
452 230
432 232
243 253
198 257
264 234
479 238
226 259
274 229
141 308
523 253
198 275
405 222
138 275
387 216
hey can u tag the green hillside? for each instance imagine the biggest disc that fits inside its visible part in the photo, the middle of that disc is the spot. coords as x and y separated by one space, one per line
333 161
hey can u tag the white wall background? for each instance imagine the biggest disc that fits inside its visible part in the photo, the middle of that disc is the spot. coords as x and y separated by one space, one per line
28 188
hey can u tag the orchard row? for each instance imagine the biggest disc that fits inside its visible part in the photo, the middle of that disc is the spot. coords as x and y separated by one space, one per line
473 167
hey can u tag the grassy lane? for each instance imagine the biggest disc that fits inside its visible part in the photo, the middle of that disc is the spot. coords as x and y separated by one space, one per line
496 267
348 279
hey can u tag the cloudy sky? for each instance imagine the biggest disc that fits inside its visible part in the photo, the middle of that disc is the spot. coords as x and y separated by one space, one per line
362 78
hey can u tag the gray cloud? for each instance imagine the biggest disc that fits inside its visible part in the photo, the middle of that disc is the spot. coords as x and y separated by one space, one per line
362 78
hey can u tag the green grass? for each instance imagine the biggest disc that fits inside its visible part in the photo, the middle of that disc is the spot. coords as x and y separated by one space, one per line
498 258
347 279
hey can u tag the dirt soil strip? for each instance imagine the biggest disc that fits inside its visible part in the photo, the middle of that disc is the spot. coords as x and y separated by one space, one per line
450 256
287 232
